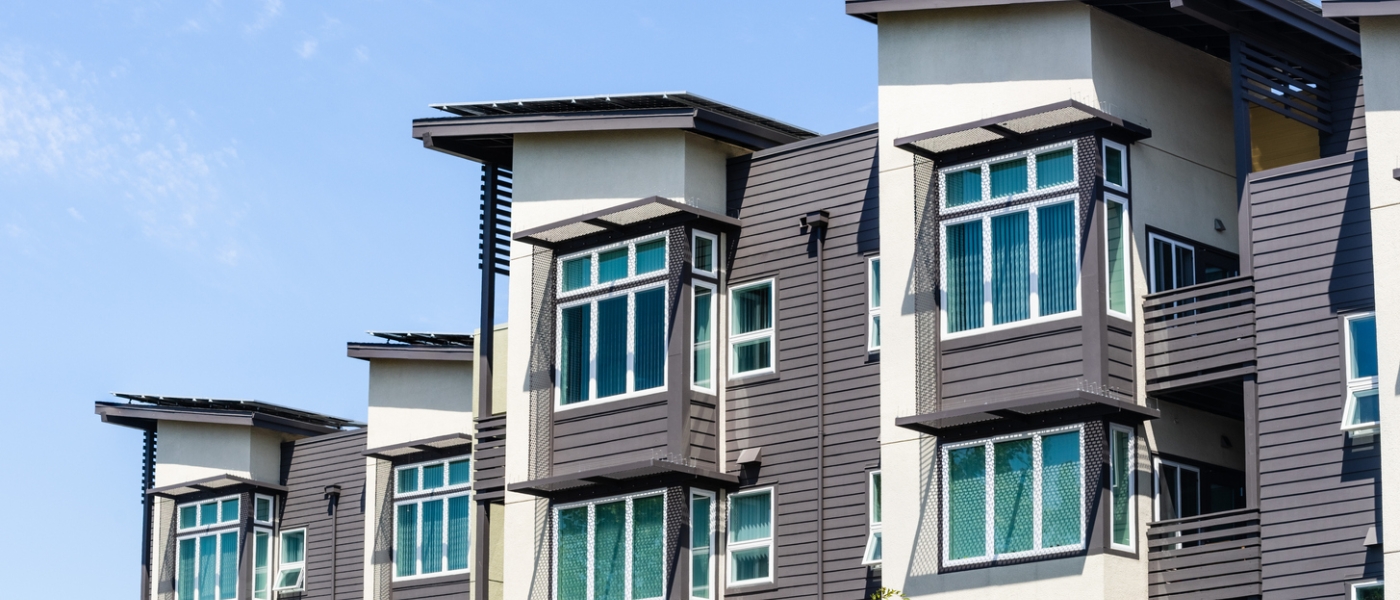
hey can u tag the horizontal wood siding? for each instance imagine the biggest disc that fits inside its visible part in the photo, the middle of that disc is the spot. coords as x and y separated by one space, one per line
313 464
1348 115
1122 372
610 433
1318 487
704 432
1208 557
1029 360
770 193
489 458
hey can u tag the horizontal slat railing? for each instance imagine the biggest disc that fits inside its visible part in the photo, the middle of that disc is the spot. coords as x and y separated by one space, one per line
1208 557
490 457
1199 335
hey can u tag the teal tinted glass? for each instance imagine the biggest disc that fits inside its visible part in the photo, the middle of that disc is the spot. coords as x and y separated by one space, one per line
1117 258
964 275
612 265
877 548
405 540
1061 510
750 564
1059 277
1010 177
262 509
649 340
699 521
1013 522
572 563
875 283
228 510
430 537
262 562
876 512
610 551
458 531
612 347
1113 165
578 273
189 516
1363 347
1370 592
1011 267
184 570
967 502
407 480
651 256
575 333
704 253
1367 409
964 187
702 314
753 355
209 513
1121 462
228 565
433 476
753 309
294 546
208 565
459 472
648 547
1054 168
750 517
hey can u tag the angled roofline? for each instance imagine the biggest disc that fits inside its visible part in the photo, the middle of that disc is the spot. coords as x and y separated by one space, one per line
143 411
603 230
371 350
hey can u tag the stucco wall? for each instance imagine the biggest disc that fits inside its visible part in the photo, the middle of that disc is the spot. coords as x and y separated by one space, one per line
190 451
1195 434
416 399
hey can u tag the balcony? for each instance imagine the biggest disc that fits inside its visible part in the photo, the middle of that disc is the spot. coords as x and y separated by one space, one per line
1208 557
1199 335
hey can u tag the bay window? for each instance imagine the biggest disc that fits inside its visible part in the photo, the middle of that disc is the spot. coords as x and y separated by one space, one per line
612 264
1118 241
207 550
1361 412
612 345
432 510
1035 171
751 341
611 549
751 533
1013 496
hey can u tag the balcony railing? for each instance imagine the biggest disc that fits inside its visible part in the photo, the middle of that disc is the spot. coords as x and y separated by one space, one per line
1207 557
1199 335
490 457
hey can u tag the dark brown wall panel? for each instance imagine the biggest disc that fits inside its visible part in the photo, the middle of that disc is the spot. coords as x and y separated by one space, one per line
313 464
600 434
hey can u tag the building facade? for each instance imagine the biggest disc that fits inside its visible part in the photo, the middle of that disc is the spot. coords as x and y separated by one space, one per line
1133 342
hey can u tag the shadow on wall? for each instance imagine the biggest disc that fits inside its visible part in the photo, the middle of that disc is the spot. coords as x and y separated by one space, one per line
868 237
1351 285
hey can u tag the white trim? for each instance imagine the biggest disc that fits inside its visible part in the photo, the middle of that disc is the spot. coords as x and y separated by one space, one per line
447 486
1127 244
871 286
418 537
627 539
1354 592
714 330
770 332
1152 238
989 527
218 535
696 234
1356 385
1123 161
1157 463
283 566
219 522
271 562
1132 486
1031 157
770 542
631 295
1033 225
271 509
714 500
632 275
875 529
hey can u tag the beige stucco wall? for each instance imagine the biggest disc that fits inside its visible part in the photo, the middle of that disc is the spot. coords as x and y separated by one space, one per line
1380 56
499 362
417 399
190 451
1195 434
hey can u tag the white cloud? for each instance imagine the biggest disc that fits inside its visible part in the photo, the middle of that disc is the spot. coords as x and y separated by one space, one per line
307 48
73 212
271 9
361 53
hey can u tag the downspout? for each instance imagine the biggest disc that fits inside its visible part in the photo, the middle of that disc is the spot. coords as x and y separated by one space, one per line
816 223
332 501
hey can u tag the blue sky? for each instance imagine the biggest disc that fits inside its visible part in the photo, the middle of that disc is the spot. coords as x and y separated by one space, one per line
211 198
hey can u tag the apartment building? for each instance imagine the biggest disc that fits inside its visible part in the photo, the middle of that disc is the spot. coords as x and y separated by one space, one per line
1091 312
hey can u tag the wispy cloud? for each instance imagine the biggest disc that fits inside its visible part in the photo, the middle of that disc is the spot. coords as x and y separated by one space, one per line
307 48
362 54
271 9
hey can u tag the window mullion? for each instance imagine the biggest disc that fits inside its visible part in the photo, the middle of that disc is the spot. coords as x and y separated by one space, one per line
1033 240
1037 487
989 512
987 275
631 341
627 550
592 556
593 350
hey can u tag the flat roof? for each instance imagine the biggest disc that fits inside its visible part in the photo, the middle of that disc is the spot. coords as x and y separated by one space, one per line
622 221
408 345
143 410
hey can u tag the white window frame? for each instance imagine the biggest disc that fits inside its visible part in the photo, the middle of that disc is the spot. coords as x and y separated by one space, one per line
632 276
271 509
592 302
1127 237
770 542
627 536
714 333
1152 238
985 218
447 486
217 532
1132 487
872 343
1123 160
1356 385
714 553
1354 593
990 510
771 332
696 234
283 566
421 495
219 523
272 538
985 166
876 528
1157 463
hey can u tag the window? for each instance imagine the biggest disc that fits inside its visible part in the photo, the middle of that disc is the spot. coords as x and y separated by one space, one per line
702 314
703 253
611 264
1178 490
262 563
1119 236
611 549
702 541
263 509
207 550
1115 165
1362 410
1010 266
1172 263
432 510
751 328
1013 496
751 537
1121 486
1374 590
1037 171
612 345
875 542
873 325
291 560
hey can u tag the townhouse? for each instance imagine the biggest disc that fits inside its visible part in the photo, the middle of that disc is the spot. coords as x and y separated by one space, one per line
1091 312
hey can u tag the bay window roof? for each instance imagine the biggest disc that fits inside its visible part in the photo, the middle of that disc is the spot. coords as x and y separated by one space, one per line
626 220
996 135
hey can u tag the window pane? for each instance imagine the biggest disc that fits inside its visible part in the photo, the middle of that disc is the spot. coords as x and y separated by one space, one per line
1122 474
1367 407
406 544
875 331
432 476
967 502
877 514
1054 168
750 517
189 516
1011 268
1009 177
1162 266
1374 592
1190 493
1169 504
459 472
262 561
408 480
1058 279
875 283
228 565
1060 490
294 546
753 308
699 521
964 276
573 554
1117 258
262 509
651 256
578 273
1363 347
228 510
184 575
208 564
703 300
650 342
700 573
612 265
209 513
647 547
753 355
875 551
610 551
458 531
430 537
612 347
1185 266
1013 497
704 254
964 187
289 578
575 332
750 564
1113 165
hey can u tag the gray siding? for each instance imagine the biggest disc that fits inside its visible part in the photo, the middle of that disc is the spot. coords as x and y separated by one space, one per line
1025 361
771 192
1121 371
610 433
489 458
704 432
1318 487
313 464
1348 115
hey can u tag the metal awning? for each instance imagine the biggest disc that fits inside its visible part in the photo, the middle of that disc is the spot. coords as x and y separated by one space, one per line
1083 403
216 483
450 441
623 221
1061 119
620 474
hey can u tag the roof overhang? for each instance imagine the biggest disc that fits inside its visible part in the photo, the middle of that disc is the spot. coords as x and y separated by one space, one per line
649 472
146 417
869 10
997 135
1079 403
215 484
623 221
441 443
1360 8
367 351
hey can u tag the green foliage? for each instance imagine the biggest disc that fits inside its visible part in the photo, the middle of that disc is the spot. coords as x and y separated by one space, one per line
887 593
